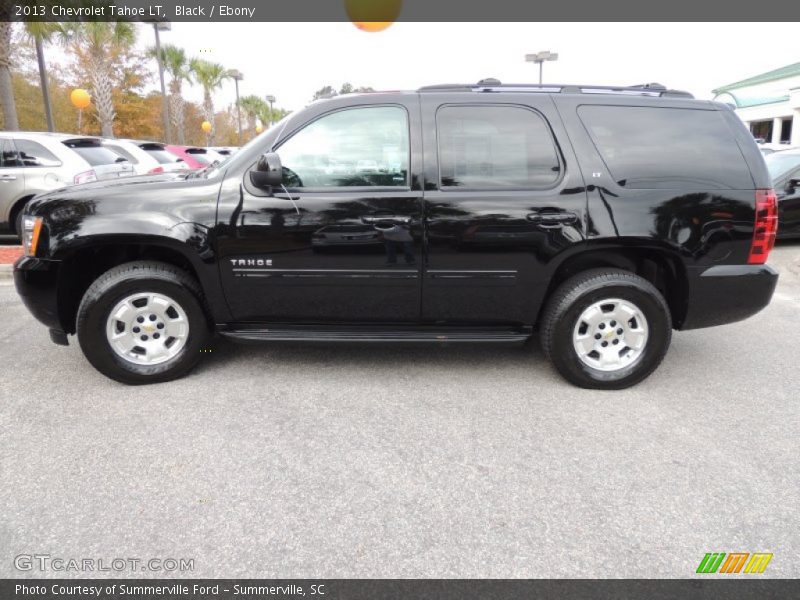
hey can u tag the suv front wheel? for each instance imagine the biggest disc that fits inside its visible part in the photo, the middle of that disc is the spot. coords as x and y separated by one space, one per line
143 322
606 329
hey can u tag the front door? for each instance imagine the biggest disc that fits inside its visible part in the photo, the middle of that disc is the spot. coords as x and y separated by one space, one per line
340 241
503 198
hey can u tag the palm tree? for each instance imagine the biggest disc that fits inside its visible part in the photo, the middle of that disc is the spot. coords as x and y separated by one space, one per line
253 106
177 65
42 33
99 43
10 120
210 77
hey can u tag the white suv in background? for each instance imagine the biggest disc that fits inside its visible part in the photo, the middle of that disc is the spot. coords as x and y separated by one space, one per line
33 163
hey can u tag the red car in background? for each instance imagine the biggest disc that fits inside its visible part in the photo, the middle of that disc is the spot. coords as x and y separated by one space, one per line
194 157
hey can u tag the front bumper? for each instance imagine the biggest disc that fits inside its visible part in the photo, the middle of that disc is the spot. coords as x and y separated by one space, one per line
727 293
36 280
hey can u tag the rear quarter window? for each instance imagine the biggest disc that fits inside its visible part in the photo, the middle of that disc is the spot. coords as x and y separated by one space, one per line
666 148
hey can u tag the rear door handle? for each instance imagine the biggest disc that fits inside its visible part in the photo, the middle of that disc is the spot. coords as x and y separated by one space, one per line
399 220
552 219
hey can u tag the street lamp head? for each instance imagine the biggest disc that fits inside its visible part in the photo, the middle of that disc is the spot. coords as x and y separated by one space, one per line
235 74
270 98
163 25
539 57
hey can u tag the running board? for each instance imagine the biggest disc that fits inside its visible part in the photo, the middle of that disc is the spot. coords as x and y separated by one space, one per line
367 334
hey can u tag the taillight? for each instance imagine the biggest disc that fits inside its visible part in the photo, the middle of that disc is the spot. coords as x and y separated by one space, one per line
85 177
156 170
765 227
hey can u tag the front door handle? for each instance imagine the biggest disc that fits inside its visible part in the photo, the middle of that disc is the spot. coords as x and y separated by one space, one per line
8 177
553 219
398 220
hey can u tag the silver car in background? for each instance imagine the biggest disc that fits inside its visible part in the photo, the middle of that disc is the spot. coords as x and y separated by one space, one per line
33 163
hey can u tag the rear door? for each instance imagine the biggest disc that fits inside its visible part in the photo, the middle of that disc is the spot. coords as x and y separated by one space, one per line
503 199
12 177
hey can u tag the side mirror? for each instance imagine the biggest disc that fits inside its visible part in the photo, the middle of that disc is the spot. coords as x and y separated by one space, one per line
268 172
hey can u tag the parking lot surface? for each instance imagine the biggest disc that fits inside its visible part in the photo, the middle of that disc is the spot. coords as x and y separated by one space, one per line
385 461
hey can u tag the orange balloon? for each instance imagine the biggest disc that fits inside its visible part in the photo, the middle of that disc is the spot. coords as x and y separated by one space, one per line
206 127
80 98
372 26
373 15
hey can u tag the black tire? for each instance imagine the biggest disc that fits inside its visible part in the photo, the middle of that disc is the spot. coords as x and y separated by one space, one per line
580 292
125 280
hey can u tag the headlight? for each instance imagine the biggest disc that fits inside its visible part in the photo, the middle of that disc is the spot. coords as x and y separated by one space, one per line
31 228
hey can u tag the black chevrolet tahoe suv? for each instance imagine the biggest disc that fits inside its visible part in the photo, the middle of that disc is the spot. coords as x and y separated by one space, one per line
599 218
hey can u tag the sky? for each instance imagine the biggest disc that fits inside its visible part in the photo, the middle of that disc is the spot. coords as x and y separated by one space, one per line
293 60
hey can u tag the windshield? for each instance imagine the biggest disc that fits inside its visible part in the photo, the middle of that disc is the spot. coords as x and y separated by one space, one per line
259 139
780 163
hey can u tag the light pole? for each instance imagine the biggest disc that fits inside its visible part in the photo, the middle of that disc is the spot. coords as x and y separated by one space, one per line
237 77
270 99
162 26
540 58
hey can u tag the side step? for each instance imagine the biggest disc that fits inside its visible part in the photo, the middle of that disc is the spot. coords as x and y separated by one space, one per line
284 333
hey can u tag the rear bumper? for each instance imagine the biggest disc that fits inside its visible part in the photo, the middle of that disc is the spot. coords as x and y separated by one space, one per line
36 280
727 293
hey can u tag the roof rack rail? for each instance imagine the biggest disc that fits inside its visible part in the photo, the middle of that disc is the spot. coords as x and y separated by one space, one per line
494 85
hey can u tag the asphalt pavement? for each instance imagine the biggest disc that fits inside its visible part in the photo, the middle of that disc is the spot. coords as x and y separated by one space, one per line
365 461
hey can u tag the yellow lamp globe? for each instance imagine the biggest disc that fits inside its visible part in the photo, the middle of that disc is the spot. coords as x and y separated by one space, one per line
80 98
206 127
373 15
259 128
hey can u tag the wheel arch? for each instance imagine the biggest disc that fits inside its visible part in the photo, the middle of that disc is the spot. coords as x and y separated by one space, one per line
660 266
82 264
14 210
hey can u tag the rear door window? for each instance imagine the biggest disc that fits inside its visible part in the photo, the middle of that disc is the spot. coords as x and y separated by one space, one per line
666 148
8 155
33 154
495 147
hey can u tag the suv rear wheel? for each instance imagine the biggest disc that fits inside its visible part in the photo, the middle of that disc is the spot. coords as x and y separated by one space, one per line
143 322
606 329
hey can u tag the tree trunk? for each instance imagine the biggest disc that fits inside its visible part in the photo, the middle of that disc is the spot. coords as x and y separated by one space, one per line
103 101
209 106
10 120
177 111
48 110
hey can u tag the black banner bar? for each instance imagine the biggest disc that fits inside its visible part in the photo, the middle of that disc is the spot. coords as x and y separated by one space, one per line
701 588
400 10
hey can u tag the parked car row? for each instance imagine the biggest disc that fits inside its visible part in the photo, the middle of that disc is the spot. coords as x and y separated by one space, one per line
32 163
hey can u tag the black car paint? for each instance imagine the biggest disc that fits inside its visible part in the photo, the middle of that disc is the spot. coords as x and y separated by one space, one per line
479 258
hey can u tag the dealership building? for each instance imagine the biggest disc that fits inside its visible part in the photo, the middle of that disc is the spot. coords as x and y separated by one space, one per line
769 104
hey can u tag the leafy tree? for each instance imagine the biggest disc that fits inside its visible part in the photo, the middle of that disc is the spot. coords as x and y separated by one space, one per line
10 120
253 106
177 65
210 77
326 92
97 46
43 33
346 88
